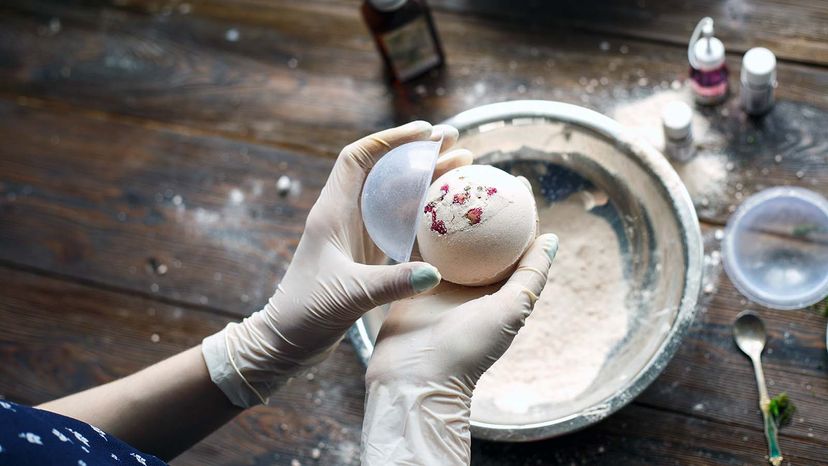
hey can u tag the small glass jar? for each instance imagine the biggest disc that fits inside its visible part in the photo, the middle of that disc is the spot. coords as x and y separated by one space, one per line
708 71
677 123
758 81
405 36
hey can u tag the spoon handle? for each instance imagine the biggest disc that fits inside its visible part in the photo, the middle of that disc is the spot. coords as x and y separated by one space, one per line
774 455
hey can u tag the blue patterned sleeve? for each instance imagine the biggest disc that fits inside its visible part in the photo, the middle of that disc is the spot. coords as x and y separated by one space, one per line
30 436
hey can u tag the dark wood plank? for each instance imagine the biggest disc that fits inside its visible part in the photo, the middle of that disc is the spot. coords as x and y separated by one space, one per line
113 202
188 218
104 335
710 378
794 30
59 338
183 71
638 435
299 114
87 209
110 78
303 66
739 156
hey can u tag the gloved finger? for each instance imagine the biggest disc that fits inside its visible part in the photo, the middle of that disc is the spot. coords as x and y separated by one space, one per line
525 182
366 151
382 284
451 160
450 136
527 282
357 158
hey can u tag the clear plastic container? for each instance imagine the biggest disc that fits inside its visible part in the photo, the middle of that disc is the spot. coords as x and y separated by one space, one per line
775 248
393 196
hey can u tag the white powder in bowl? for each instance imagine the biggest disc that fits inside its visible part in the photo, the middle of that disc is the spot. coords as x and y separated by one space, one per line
580 316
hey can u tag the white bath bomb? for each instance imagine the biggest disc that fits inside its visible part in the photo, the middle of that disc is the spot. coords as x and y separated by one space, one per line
477 222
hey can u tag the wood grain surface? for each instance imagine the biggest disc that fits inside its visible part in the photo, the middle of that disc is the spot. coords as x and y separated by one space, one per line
138 205
188 218
306 67
793 30
707 391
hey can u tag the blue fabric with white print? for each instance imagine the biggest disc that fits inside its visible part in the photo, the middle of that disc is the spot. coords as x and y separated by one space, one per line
30 436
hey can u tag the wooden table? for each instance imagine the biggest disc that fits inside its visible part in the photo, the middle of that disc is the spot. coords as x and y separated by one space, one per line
139 212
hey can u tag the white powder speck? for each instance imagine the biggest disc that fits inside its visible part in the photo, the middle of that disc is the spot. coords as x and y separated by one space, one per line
204 216
579 318
54 25
236 196
283 185
231 35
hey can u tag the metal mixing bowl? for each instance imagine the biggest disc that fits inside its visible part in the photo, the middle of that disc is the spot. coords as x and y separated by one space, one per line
565 149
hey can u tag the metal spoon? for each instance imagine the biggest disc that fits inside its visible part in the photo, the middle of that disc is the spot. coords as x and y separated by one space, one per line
749 333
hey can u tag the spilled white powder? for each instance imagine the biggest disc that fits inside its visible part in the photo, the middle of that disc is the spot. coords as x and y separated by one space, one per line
578 319
705 177
643 117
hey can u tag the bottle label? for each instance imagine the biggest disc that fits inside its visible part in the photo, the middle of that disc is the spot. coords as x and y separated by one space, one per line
411 49
709 94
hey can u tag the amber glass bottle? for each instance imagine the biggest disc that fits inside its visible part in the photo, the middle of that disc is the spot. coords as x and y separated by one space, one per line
405 36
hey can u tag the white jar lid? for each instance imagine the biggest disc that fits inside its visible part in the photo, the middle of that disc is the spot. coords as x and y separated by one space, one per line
709 53
759 67
677 120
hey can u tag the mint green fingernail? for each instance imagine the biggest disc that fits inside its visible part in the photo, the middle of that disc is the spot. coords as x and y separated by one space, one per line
424 278
552 247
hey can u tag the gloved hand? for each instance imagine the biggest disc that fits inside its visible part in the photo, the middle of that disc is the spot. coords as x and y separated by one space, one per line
332 280
430 353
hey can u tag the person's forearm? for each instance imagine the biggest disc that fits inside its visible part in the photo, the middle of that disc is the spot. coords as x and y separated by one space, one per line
416 424
163 409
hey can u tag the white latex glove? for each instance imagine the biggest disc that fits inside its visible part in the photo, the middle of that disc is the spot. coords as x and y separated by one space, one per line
332 280
430 353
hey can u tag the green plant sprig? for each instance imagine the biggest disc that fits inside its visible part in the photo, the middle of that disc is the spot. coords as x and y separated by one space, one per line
781 409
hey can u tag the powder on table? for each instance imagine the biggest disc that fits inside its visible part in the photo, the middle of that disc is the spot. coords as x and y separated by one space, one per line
705 177
578 319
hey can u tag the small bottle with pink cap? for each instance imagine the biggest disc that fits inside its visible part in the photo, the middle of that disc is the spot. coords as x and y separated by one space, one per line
708 70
